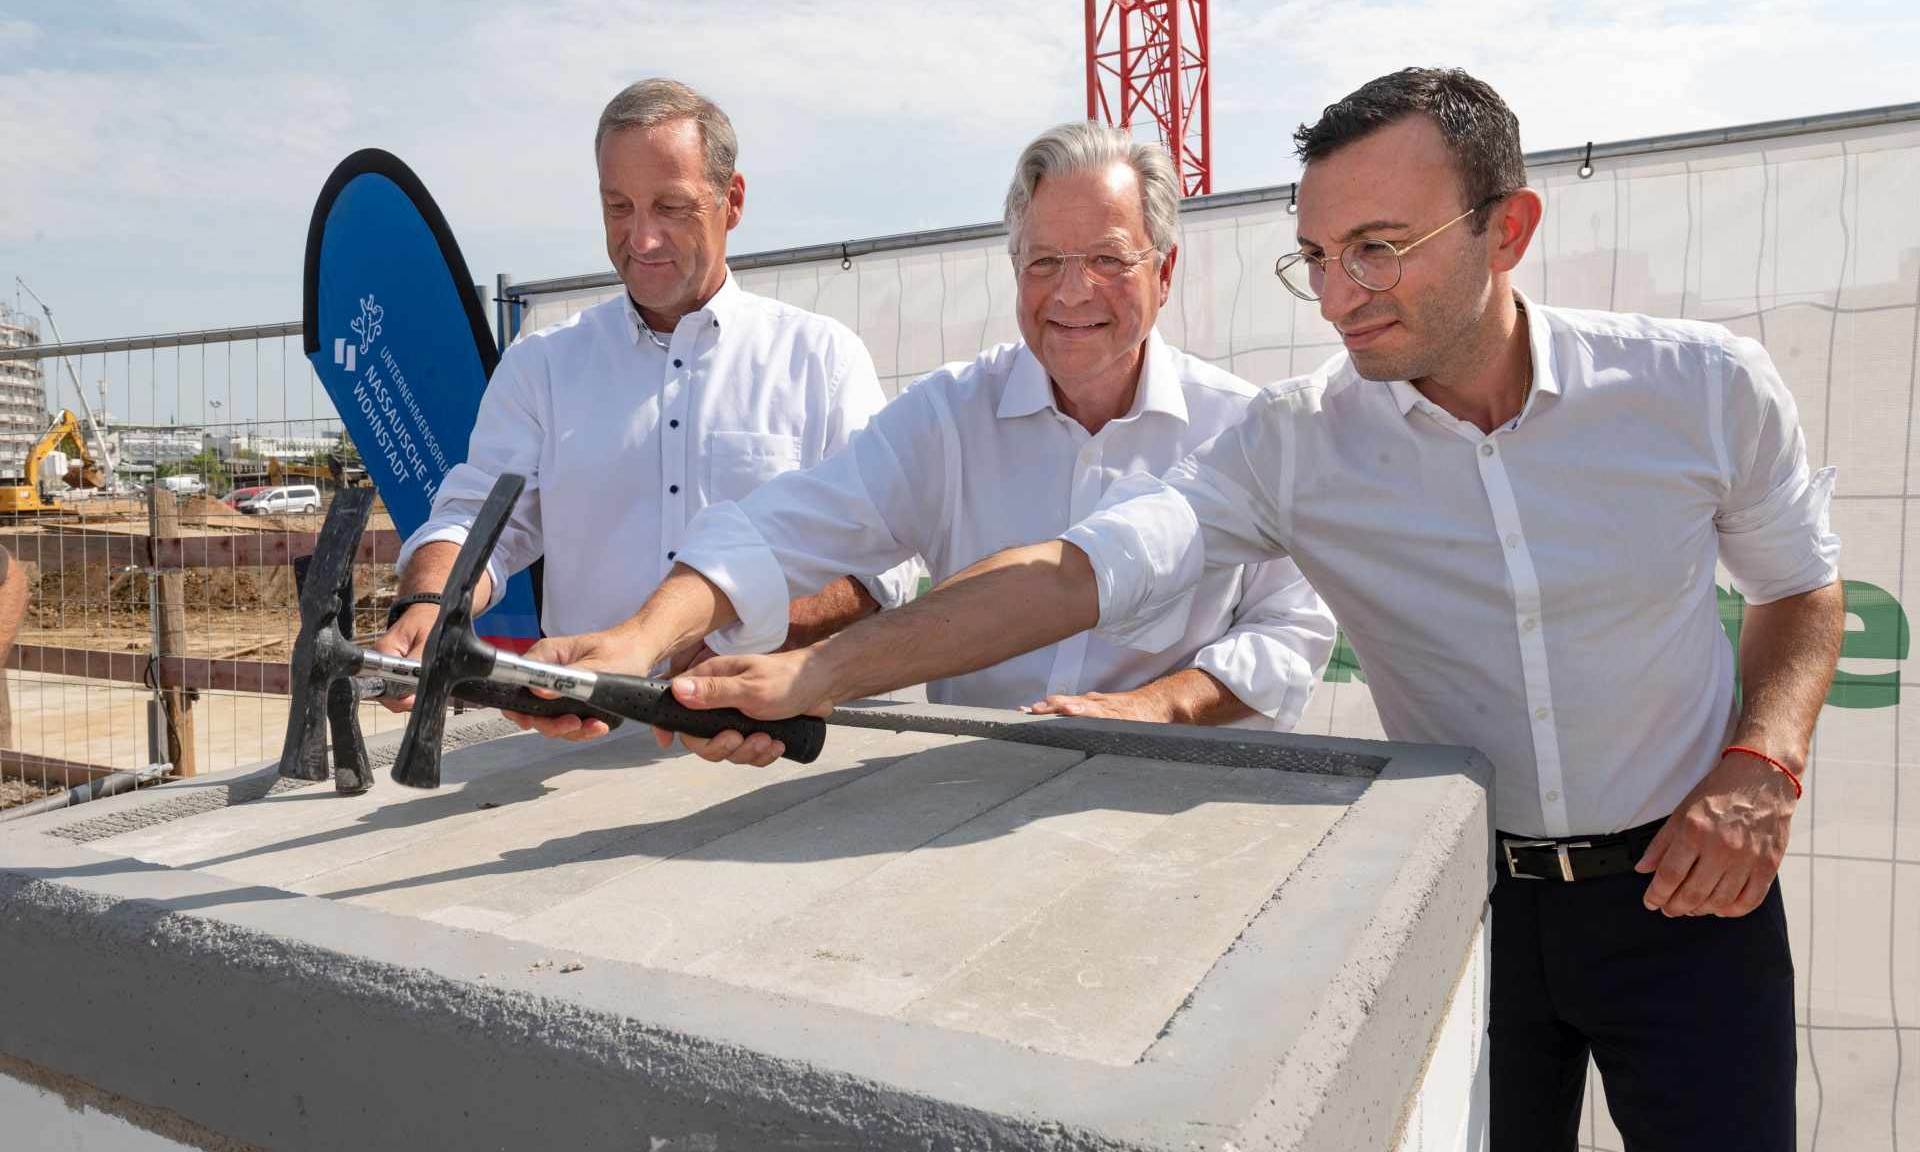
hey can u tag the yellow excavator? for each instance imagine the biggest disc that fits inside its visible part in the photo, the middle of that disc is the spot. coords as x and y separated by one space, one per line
60 454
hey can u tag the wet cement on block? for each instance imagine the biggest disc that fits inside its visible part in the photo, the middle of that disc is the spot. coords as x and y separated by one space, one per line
920 940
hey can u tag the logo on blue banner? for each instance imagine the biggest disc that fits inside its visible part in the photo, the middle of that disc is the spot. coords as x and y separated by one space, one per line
395 331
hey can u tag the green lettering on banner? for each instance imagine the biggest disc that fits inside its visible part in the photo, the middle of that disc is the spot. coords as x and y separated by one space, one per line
1344 665
1733 613
1882 635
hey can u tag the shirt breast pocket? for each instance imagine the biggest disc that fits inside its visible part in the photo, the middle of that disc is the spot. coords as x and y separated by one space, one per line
739 462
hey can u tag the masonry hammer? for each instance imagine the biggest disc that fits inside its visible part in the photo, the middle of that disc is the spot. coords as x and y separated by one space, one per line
455 656
325 662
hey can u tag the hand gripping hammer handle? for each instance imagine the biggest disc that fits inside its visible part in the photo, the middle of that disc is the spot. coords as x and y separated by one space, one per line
651 701
454 654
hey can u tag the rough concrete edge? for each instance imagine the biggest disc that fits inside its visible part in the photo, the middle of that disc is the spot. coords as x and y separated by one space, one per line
1291 958
80 1096
1335 1105
529 1027
1460 985
1242 939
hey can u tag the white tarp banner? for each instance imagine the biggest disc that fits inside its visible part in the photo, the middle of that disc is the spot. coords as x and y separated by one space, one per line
1809 243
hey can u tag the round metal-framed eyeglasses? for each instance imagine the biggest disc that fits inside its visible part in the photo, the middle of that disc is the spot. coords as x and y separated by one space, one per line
1101 268
1374 264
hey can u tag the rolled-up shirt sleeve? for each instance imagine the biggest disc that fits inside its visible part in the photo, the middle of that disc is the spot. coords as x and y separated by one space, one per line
1776 537
1281 637
861 511
1144 546
507 434
1151 539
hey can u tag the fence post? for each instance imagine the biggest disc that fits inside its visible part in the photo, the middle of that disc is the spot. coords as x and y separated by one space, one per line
502 311
170 628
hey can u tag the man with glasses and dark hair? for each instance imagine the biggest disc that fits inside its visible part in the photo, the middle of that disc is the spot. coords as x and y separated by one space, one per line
1016 446
1516 512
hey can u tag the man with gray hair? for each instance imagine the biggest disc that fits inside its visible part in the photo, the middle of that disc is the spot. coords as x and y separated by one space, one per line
632 416
1017 445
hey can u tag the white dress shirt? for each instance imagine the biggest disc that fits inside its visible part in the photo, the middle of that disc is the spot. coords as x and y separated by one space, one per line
1544 593
977 457
623 442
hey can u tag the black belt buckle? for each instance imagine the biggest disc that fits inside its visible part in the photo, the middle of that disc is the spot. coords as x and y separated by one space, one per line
1559 848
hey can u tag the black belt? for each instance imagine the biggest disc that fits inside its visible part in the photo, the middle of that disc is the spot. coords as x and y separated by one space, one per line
1574 858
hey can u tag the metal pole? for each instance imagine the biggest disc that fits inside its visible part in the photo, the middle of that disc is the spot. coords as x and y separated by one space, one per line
1093 70
1203 41
500 309
1177 111
156 708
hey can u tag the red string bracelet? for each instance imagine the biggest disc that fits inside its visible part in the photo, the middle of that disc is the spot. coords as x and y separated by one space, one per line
1759 755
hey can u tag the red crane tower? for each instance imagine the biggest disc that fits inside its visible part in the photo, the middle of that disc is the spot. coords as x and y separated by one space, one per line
1147 59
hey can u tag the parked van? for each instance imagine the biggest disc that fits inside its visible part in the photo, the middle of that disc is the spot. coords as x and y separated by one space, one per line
289 500
183 485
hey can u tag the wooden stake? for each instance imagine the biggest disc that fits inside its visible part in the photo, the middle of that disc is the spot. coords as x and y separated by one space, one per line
170 629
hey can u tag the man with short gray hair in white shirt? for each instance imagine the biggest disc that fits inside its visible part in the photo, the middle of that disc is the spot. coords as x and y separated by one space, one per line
1019 444
1517 512
633 415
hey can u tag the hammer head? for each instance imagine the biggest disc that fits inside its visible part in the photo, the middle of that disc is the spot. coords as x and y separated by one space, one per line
322 652
453 652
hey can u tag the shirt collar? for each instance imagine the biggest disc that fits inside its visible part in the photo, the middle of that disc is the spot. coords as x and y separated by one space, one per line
1540 351
719 311
1028 389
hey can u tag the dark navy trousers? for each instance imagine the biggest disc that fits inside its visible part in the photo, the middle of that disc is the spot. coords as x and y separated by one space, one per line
1689 1019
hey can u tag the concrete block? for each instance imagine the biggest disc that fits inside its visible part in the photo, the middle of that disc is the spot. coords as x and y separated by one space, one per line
923 940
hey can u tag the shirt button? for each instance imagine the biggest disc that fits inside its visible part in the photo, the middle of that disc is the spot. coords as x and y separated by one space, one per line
673 423
1513 539
671 555
1486 449
1528 624
1541 713
673 489
1553 797
676 363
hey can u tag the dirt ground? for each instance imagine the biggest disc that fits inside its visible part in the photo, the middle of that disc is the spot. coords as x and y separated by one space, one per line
232 613
14 792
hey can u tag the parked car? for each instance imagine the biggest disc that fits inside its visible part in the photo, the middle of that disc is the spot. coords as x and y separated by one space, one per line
240 496
289 500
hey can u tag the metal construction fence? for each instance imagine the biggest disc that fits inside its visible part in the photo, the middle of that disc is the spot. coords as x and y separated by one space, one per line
160 619
1801 234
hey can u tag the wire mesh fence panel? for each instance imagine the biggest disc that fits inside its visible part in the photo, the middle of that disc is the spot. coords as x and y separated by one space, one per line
158 528
1806 241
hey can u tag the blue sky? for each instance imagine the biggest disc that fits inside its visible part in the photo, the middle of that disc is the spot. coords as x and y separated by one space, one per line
161 159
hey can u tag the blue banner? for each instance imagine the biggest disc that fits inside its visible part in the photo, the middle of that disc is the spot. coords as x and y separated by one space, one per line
395 331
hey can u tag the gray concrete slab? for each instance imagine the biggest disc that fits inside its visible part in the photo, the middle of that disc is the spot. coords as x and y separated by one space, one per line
921 940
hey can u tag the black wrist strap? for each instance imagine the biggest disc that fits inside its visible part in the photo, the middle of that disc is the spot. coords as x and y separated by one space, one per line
402 603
